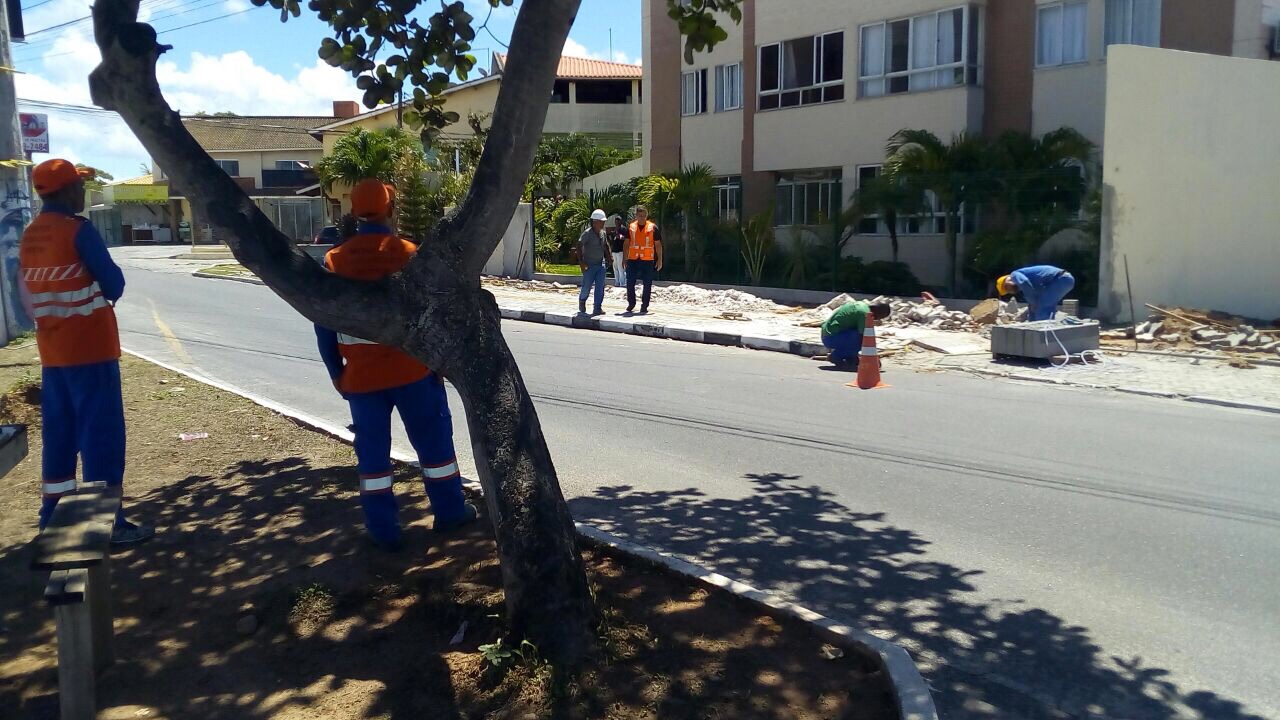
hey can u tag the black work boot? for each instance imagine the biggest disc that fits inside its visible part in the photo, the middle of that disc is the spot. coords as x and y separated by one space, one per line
582 307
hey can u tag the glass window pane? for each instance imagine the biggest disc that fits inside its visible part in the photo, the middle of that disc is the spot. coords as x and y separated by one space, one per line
769 67
898 85
833 57
797 63
782 205
812 96
871 88
1117 21
791 99
872 51
1049 36
833 93
899 46
812 203
1074 32
950 36
1146 23
924 41
768 102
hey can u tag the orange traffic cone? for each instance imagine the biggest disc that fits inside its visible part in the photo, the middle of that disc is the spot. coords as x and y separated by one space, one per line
869 359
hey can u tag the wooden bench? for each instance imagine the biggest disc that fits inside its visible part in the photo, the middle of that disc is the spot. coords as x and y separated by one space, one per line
76 547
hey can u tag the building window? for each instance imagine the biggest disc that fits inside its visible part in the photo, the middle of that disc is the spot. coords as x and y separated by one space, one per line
693 92
292 165
870 224
603 92
1133 22
230 167
1061 29
560 92
728 87
805 71
728 197
806 198
935 50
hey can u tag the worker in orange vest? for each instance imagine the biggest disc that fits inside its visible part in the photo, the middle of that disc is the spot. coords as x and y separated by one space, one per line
70 285
643 249
375 379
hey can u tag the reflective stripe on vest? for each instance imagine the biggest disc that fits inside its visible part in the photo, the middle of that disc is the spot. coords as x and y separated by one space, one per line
448 471
641 247
344 339
58 487
75 323
375 484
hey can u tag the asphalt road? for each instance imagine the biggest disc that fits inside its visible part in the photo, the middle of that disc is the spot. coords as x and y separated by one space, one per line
1041 551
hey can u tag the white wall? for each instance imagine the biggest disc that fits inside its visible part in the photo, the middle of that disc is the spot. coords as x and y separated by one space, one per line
1191 181
715 138
514 255
612 176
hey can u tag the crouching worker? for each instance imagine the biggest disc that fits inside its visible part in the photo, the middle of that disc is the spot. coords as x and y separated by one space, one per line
70 285
1043 287
842 332
375 378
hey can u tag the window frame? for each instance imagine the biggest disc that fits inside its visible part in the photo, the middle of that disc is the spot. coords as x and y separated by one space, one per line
724 88
1062 5
913 225
829 189
826 89
969 52
1107 40
700 92
728 190
222 166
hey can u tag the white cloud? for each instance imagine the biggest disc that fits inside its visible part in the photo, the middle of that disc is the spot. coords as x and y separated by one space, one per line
232 82
573 48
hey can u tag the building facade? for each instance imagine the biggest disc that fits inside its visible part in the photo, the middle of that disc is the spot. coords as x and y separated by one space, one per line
272 158
795 108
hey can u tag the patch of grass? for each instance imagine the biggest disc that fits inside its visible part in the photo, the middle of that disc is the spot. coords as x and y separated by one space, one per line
23 339
313 603
555 269
228 270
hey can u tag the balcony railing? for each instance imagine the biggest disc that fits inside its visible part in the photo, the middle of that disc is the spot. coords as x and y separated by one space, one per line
288 178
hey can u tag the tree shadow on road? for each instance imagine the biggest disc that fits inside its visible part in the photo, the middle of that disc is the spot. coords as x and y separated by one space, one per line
999 659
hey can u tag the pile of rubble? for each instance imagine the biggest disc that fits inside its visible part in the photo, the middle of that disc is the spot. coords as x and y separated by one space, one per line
1182 329
929 313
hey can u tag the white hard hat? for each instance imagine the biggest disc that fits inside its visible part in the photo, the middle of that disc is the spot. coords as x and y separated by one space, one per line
599 215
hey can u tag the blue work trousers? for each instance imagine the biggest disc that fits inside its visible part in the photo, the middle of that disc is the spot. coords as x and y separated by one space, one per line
424 408
844 345
1050 296
592 277
643 272
83 418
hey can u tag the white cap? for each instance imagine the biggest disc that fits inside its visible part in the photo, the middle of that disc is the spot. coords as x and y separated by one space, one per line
598 215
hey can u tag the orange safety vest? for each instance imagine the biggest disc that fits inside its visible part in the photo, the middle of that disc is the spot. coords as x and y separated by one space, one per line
371 367
641 247
75 323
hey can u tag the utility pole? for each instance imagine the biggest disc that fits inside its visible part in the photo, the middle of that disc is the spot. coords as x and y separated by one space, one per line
15 203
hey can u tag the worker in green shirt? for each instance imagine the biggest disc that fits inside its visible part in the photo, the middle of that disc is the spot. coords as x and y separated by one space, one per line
842 332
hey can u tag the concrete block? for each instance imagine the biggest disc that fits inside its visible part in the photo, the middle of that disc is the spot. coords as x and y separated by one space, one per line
1236 339
686 334
611 325
764 343
558 319
1044 338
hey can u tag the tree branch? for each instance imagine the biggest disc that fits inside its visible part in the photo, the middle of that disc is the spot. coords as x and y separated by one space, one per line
126 83
521 111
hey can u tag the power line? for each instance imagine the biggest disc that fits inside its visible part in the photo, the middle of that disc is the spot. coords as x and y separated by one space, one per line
42 58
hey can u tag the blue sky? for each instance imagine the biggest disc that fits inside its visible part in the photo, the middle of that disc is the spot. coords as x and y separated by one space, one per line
241 60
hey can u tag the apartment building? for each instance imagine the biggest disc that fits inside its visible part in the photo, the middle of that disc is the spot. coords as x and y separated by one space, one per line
795 108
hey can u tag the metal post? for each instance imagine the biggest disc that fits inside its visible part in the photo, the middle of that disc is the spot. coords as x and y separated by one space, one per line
16 212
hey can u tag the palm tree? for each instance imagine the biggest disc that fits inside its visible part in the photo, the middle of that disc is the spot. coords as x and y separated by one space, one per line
1041 179
362 154
891 199
955 172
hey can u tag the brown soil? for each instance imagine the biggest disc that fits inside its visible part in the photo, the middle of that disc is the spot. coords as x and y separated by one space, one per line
260 597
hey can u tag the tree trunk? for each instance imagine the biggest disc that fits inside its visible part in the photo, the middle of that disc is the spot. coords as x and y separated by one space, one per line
434 308
547 596
891 218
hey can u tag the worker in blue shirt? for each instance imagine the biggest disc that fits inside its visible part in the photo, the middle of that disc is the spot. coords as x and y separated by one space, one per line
1042 286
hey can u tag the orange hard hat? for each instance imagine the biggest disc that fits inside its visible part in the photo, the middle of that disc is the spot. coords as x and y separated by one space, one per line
372 198
53 175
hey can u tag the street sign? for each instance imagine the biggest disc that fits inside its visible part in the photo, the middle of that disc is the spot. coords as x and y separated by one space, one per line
35 132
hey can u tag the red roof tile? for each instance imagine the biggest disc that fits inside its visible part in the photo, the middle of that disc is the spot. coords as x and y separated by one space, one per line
575 68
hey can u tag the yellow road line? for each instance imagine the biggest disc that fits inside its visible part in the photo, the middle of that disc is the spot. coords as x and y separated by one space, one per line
169 338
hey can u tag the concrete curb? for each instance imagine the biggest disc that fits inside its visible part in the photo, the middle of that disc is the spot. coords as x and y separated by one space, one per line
213 276
648 328
911 693
1223 402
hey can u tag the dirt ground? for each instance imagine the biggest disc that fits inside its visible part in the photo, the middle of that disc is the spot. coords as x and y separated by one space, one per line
260 597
